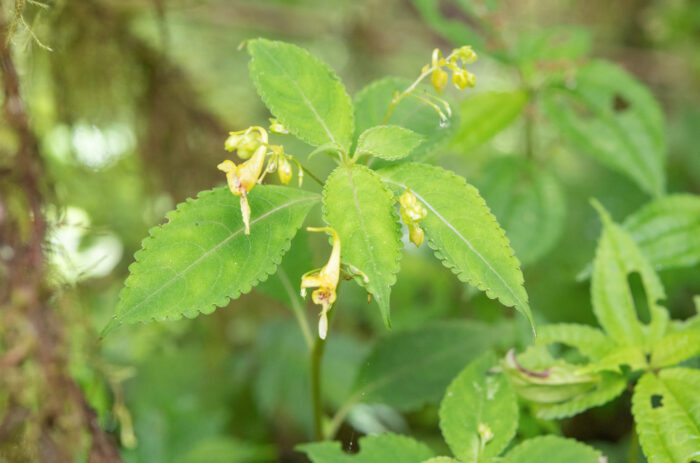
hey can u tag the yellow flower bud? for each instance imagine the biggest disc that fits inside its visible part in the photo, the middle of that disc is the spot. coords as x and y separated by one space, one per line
412 212
439 80
465 53
277 127
284 170
416 235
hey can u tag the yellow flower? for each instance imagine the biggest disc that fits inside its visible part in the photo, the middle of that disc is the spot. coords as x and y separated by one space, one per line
412 212
243 177
284 170
326 280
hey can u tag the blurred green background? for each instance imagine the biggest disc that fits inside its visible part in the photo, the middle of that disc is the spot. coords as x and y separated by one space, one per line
132 106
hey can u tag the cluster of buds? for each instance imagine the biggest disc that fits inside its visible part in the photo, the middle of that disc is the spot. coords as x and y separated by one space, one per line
412 212
455 62
326 280
252 146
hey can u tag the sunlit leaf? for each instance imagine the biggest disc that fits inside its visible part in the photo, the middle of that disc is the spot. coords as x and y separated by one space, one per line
611 386
590 341
676 347
302 92
380 448
666 410
361 209
479 414
389 142
201 258
464 234
554 449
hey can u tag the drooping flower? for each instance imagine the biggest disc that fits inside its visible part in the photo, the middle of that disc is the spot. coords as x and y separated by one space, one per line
325 280
243 177
412 212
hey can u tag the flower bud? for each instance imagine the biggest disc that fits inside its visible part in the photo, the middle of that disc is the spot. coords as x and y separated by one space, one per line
439 80
277 127
416 235
284 171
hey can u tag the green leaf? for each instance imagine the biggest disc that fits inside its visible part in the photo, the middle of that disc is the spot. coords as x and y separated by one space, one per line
554 449
610 115
227 450
668 231
478 399
618 256
464 234
389 142
361 209
528 202
380 448
408 369
675 348
302 92
441 460
372 104
666 410
284 284
455 30
610 386
590 341
484 115
551 44
201 258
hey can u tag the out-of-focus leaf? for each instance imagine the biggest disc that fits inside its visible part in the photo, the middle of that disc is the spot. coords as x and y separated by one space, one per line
407 369
479 414
282 382
227 450
554 449
552 43
668 231
389 142
666 409
361 209
528 202
302 92
486 114
607 113
676 347
464 234
372 104
616 257
380 448
454 29
441 460
201 258
284 284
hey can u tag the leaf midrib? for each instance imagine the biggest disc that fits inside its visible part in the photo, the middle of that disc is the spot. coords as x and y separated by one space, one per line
293 82
462 237
209 252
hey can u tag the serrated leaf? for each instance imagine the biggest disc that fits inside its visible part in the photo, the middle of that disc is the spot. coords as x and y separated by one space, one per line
484 115
201 258
554 449
528 202
675 348
373 101
361 209
464 234
479 399
411 368
302 92
610 115
380 448
616 257
610 386
668 231
590 341
629 356
666 410
388 142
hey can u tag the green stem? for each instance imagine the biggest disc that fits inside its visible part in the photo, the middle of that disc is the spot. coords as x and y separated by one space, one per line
317 399
297 308
633 455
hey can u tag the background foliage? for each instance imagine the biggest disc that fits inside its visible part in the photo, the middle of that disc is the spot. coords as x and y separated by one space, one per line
130 110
